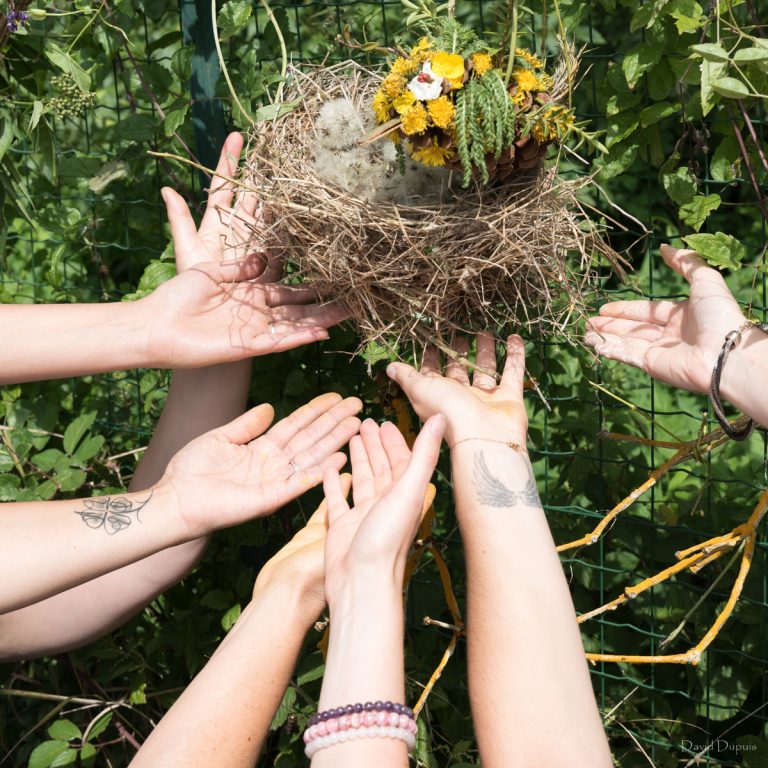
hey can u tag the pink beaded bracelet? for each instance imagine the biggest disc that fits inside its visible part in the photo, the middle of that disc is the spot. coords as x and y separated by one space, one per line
363 732
369 720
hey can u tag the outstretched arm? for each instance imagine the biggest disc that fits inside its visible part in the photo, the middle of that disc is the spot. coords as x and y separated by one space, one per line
365 555
678 342
529 686
225 477
213 312
222 718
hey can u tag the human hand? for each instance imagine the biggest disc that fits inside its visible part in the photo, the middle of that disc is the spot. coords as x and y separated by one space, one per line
298 566
483 409
224 305
370 541
245 470
676 342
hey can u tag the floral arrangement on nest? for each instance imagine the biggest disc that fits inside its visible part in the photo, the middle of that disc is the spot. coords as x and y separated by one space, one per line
418 193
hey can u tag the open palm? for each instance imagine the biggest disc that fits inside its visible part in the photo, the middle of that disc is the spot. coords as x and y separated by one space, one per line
676 342
240 471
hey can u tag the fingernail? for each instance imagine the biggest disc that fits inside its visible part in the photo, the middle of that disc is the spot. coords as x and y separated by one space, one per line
437 424
164 194
590 338
391 370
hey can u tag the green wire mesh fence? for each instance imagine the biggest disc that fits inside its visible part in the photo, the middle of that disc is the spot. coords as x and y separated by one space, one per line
98 222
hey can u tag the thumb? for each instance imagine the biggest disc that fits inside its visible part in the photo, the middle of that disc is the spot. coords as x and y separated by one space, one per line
404 375
183 229
248 426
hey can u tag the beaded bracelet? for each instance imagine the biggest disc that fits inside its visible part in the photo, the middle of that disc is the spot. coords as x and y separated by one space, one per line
383 719
373 732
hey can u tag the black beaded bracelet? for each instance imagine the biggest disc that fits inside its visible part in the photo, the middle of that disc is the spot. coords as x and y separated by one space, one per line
732 341
369 706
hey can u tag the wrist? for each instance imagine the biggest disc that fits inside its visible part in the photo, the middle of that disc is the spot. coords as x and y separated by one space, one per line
165 494
151 331
300 604
363 595
744 364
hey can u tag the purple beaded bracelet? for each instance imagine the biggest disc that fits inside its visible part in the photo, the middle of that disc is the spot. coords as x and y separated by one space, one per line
369 706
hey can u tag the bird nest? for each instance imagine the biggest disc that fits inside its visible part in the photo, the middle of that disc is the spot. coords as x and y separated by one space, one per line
412 253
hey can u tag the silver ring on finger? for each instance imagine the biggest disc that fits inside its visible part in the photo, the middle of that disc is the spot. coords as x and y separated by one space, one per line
294 466
272 330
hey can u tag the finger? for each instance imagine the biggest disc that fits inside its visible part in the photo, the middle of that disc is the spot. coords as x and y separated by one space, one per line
277 295
363 487
404 375
266 344
302 481
335 497
183 229
320 515
644 311
396 448
454 369
319 450
485 361
237 270
426 451
430 363
690 265
514 366
621 348
300 419
377 456
620 327
324 315
323 425
221 190
248 426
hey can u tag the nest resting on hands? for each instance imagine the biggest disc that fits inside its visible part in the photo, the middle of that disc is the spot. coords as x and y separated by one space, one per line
517 255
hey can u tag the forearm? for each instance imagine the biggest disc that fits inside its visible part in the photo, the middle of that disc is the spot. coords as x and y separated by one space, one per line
198 400
50 341
744 376
223 716
527 673
365 663
52 546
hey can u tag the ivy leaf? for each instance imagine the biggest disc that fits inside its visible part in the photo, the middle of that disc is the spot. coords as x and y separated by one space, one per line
44 754
639 60
720 250
75 431
656 112
155 274
64 730
233 16
726 162
688 15
618 160
174 119
710 52
730 87
285 709
710 71
753 53
230 617
696 211
67 64
680 185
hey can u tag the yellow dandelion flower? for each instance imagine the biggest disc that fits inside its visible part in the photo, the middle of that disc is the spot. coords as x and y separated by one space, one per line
544 82
420 52
442 111
404 102
482 63
529 58
381 106
393 85
519 99
448 65
433 154
414 120
540 132
404 67
525 79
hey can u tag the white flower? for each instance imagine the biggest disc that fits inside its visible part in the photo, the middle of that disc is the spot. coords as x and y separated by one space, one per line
426 85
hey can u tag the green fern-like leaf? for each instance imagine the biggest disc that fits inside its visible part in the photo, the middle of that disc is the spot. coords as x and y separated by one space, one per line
462 135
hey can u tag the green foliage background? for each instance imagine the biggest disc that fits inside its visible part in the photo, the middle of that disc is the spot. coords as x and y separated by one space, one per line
82 220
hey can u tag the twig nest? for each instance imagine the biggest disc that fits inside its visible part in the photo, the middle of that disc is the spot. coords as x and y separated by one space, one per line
411 253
